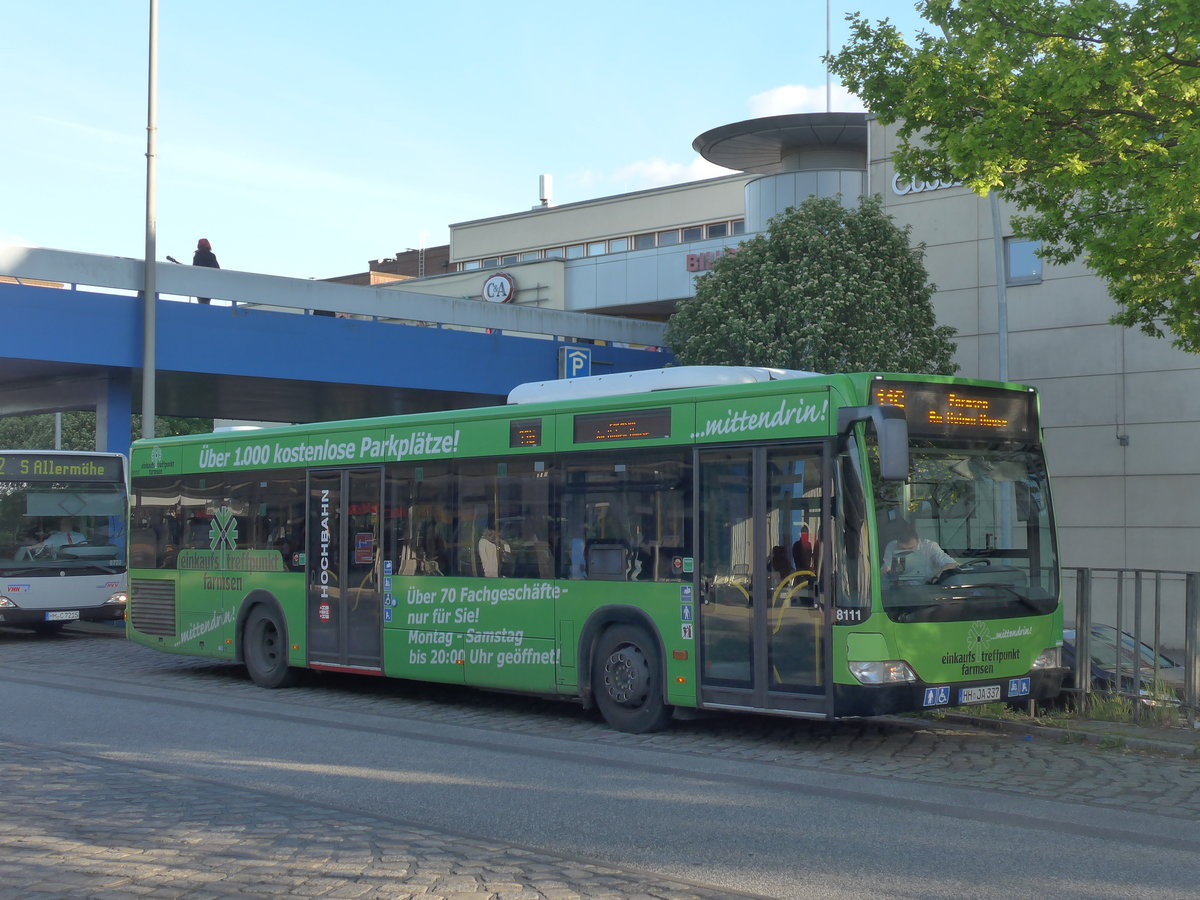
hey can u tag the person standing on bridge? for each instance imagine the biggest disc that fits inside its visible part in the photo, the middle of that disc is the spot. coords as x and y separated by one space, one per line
205 257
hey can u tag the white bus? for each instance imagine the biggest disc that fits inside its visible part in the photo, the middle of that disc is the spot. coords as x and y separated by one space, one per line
63 538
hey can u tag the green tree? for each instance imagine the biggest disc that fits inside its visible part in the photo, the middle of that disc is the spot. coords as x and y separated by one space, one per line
36 432
1086 114
825 289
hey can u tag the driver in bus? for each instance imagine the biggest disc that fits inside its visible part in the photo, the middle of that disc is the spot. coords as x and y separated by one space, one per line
913 559
66 534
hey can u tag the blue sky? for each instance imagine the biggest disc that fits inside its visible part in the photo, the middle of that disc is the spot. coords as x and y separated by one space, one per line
306 138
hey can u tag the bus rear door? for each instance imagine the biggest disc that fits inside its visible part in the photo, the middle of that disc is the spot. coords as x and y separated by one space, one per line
345 602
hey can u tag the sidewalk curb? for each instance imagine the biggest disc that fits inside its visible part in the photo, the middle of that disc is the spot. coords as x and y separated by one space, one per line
1095 733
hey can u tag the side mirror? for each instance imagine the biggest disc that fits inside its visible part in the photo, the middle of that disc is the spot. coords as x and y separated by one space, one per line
892 429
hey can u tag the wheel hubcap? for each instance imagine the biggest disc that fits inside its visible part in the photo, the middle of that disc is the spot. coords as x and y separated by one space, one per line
626 676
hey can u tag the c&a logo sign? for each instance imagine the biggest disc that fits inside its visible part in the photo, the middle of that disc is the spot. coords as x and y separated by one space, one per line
499 288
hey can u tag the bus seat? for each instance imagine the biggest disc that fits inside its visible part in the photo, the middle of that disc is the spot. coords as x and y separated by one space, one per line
607 562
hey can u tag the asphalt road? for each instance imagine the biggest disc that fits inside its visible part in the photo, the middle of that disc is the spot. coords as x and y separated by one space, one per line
132 773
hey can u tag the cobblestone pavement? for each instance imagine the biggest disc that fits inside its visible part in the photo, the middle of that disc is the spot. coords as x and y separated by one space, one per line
103 834
97 840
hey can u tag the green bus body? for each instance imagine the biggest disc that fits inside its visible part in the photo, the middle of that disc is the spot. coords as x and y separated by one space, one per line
716 546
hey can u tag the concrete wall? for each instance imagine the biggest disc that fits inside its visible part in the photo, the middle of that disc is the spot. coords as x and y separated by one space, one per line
593 220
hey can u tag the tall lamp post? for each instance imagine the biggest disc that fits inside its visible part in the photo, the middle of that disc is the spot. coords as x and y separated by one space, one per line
149 295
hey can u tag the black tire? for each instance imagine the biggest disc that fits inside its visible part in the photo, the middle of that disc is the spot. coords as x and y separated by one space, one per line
265 649
627 680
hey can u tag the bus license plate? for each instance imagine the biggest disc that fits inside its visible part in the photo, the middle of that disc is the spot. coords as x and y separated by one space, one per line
63 615
979 694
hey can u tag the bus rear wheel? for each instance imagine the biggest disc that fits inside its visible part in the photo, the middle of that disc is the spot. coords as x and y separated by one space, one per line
627 680
265 650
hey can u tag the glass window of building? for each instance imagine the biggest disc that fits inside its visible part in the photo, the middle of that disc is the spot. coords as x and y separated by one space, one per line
739 226
531 255
693 234
575 251
509 260
618 245
554 253
1021 263
718 229
666 238
491 263
643 242
470 265
597 248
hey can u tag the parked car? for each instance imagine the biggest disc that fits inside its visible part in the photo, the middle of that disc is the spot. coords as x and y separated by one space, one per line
1107 646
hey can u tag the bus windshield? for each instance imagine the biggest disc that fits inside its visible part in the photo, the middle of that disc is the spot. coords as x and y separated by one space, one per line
73 528
968 535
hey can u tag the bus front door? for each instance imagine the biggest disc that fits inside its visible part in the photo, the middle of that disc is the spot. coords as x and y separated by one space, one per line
762 616
344 611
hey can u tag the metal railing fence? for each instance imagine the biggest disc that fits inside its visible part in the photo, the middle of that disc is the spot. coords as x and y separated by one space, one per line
1156 608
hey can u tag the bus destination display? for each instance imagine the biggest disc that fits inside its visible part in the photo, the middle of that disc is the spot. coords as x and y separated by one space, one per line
963 411
525 433
42 467
632 425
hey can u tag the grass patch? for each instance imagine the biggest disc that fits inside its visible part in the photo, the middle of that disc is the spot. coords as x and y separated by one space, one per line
1158 708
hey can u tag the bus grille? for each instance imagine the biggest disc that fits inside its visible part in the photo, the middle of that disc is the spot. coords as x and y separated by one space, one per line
152 606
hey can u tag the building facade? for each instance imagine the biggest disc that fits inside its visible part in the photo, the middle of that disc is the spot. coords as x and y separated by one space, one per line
1121 410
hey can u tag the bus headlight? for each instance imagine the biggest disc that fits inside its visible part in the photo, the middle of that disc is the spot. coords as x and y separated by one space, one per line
1050 658
118 599
892 671
6 603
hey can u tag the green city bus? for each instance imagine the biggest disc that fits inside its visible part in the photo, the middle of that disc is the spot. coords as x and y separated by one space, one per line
721 538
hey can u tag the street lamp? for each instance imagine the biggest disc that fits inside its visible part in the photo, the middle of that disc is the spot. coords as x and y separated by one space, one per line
149 294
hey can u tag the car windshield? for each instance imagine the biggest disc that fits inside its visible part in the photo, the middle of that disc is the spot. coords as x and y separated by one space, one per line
968 535
1103 649
74 528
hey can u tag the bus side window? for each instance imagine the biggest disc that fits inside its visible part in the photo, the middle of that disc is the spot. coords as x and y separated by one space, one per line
625 518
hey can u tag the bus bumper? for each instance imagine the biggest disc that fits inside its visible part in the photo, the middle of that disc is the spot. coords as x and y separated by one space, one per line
890 699
14 617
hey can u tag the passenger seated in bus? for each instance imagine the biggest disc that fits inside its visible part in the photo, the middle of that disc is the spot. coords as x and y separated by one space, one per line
196 533
432 555
493 553
287 551
578 563
913 559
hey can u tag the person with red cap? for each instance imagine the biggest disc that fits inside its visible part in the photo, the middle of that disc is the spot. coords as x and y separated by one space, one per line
204 257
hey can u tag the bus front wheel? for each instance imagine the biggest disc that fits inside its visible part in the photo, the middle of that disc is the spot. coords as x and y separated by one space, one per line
627 680
265 650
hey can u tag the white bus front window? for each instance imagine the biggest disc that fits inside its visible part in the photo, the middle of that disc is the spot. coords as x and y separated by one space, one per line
75 525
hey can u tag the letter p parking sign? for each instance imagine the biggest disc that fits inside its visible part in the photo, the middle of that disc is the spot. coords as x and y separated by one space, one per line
574 362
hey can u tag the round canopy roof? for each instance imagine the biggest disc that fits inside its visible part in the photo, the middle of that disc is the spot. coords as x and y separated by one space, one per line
770 145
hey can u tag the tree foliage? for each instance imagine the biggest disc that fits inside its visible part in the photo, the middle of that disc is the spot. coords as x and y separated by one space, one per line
36 432
825 289
1086 114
